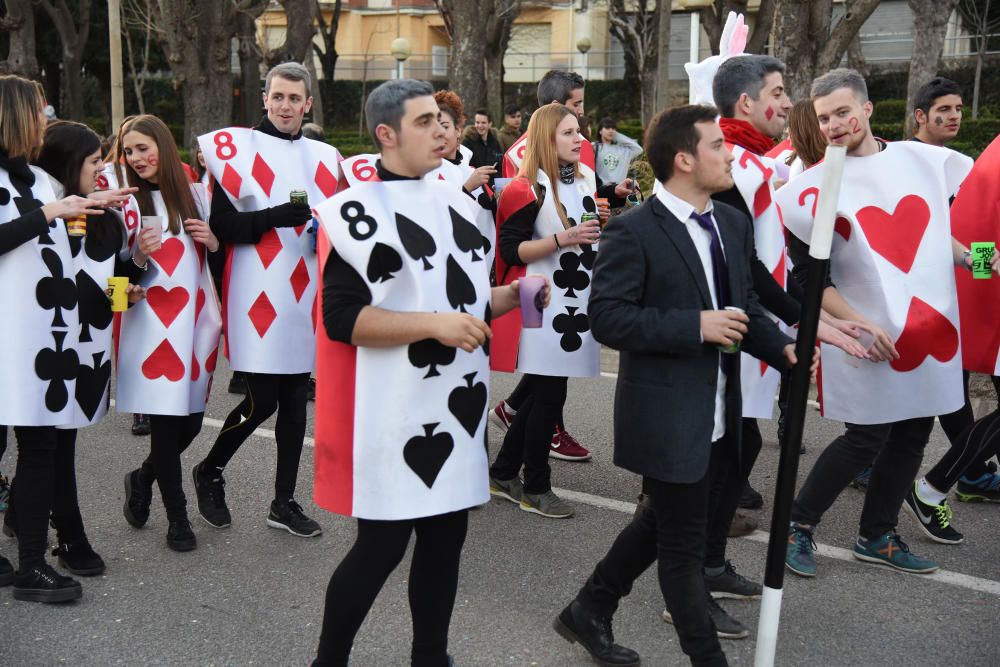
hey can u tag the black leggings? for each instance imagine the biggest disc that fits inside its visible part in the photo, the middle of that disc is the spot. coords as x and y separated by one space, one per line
520 393
433 583
977 443
267 392
169 436
961 459
32 492
530 434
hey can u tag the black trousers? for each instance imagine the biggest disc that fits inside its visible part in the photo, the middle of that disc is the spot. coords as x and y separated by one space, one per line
965 457
267 393
433 583
897 450
32 493
527 441
169 436
669 529
728 473
520 393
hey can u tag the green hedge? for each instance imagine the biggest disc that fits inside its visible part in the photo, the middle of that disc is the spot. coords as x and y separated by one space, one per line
972 139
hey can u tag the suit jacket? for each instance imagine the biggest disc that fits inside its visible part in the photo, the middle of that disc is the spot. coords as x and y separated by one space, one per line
648 291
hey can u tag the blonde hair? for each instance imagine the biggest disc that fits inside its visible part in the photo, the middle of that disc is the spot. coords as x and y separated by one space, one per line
540 153
21 129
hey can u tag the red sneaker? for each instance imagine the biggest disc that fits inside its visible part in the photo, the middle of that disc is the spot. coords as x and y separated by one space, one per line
566 447
501 417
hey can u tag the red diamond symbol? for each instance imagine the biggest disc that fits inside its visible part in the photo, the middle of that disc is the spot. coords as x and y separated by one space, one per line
262 314
268 247
231 181
326 181
262 174
300 279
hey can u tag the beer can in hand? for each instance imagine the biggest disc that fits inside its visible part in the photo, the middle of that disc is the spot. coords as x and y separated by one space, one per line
299 197
735 347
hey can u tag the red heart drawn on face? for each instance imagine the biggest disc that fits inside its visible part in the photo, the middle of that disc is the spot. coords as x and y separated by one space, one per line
163 362
169 255
167 304
927 333
897 235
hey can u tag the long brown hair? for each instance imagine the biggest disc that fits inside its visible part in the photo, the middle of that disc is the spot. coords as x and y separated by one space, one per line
21 102
805 135
540 153
172 181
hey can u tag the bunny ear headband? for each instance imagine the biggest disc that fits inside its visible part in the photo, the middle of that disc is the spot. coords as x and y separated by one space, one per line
733 42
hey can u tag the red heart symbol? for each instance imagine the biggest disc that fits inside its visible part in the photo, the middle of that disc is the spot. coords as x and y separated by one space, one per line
843 227
927 333
199 303
211 361
167 304
897 236
169 255
195 368
163 362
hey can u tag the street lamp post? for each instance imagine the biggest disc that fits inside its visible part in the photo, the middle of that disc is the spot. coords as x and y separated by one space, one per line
583 46
400 50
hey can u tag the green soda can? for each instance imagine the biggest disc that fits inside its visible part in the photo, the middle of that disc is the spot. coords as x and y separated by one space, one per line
588 216
735 347
299 197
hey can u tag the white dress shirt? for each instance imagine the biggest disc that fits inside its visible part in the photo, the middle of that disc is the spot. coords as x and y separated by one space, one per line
702 239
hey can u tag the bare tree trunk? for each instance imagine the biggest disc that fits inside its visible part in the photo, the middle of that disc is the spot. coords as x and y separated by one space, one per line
328 55
300 28
249 110
19 24
498 27
757 42
466 68
135 17
930 22
73 34
663 56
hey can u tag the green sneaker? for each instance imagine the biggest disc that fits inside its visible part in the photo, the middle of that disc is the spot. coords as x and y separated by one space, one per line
799 556
891 550
547 504
508 489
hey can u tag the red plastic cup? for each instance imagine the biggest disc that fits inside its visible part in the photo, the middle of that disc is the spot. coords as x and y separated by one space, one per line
530 291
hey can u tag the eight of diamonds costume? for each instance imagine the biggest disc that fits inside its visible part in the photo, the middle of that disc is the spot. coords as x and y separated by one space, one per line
892 262
400 430
268 295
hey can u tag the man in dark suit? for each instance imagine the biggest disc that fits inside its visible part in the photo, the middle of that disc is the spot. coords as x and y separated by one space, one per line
664 275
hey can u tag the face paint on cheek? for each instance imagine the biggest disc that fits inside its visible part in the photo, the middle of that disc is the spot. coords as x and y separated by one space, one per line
855 125
769 113
939 121
152 161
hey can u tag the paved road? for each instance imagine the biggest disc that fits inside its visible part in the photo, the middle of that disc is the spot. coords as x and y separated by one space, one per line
250 595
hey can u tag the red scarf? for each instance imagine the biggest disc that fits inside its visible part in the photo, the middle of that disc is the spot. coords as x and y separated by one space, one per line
745 135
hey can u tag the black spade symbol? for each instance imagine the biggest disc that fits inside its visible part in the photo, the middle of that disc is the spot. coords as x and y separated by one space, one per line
429 352
587 256
57 367
4 196
461 291
383 262
570 277
468 404
571 324
426 454
589 204
488 318
95 311
417 241
466 234
91 384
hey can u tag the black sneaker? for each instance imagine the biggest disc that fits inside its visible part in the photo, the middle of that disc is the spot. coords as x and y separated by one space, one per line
726 627
138 497
43 584
288 514
732 585
180 537
237 383
934 520
6 572
79 558
8 523
751 500
140 424
311 390
210 488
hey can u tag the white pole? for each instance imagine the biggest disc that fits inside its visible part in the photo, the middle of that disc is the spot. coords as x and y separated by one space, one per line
117 87
767 627
695 51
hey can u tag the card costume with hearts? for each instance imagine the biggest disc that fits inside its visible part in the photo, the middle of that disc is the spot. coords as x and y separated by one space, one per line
168 344
975 217
269 287
564 345
38 345
891 260
399 244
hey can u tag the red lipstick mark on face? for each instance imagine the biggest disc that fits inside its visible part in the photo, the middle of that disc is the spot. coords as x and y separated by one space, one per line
769 113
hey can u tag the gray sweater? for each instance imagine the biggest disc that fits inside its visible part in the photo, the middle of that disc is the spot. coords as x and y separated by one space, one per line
613 159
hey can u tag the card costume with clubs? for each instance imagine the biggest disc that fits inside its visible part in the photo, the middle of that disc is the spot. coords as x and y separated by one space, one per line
269 288
402 435
564 345
514 156
891 260
169 342
38 347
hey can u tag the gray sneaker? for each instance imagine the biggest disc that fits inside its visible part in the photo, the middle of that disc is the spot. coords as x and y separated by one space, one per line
547 504
509 489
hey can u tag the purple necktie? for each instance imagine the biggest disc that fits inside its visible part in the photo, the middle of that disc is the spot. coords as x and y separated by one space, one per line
720 276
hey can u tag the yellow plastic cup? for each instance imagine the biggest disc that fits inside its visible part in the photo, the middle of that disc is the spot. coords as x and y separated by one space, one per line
119 299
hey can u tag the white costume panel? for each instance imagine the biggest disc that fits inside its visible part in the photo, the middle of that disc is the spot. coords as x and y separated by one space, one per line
892 262
169 341
377 461
269 288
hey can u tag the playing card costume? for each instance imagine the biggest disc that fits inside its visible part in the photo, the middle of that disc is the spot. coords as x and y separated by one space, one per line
168 344
402 246
891 260
514 156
